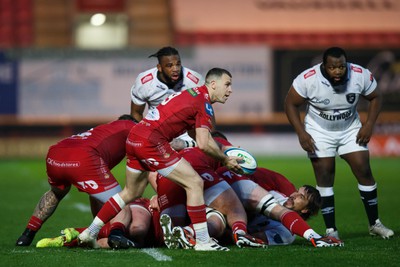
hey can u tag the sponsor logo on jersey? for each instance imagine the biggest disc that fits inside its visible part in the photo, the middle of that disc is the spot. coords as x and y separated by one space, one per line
147 78
63 164
335 117
351 98
209 109
193 78
309 74
356 69
192 92
324 101
134 144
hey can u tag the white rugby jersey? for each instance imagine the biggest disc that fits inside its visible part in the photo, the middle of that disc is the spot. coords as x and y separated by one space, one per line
149 89
333 110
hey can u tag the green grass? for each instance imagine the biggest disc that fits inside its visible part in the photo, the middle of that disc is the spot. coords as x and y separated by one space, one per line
23 182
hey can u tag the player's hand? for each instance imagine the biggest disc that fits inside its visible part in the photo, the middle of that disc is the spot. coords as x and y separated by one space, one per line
364 135
307 142
154 203
232 163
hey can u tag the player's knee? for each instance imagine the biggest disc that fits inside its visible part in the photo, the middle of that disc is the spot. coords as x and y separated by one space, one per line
267 204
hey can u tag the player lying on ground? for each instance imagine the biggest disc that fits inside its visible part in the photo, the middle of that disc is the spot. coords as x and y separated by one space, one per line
136 226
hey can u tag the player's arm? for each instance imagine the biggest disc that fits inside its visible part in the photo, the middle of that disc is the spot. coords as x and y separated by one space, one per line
293 102
375 102
137 111
207 144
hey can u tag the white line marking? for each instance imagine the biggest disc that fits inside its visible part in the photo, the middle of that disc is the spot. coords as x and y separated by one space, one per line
156 254
82 207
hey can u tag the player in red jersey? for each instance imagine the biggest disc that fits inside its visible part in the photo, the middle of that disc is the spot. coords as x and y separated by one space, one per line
85 161
150 150
217 194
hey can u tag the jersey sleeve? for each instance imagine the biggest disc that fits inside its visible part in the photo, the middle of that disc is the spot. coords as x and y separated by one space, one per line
369 82
137 93
204 116
300 85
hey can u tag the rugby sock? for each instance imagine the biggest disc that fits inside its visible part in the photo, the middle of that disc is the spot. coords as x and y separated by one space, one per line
104 231
110 209
34 223
295 224
239 227
197 215
369 196
328 206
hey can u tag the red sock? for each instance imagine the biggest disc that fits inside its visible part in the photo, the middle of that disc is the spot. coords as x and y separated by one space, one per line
119 226
104 231
34 223
292 221
239 226
197 214
109 210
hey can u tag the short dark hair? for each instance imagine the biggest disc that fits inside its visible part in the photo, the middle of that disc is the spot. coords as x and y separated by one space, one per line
217 72
334 52
314 202
127 117
164 52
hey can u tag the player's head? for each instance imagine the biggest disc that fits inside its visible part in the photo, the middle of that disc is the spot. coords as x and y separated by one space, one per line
169 65
334 65
306 201
219 84
127 117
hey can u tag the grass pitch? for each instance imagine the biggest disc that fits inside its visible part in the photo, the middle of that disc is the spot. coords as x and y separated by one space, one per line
22 183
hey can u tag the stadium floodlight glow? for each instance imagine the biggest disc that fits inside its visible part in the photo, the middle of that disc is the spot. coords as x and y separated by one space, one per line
98 19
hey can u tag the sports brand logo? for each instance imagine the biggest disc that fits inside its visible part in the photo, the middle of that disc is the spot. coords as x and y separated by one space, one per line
209 109
351 98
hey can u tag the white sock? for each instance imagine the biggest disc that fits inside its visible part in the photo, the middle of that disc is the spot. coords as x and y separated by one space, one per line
310 233
95 227
201 231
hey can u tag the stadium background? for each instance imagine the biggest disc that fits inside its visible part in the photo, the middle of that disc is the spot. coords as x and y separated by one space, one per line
60 75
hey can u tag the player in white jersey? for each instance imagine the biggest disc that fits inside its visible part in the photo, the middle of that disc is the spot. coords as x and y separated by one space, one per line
332 126
154 85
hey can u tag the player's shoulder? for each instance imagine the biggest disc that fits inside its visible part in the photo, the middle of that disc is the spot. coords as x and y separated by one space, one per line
146 77
192 77
357 69
310 73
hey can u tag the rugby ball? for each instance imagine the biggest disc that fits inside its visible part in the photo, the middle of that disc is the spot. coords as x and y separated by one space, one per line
249 163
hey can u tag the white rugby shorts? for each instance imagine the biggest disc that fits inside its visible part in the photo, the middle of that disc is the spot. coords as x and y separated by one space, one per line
332 143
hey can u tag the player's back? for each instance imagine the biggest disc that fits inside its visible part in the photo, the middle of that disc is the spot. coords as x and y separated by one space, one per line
108 140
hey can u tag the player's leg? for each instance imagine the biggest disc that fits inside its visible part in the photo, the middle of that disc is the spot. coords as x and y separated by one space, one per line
183 174
136 182
324 170
43 210
360 165
225 200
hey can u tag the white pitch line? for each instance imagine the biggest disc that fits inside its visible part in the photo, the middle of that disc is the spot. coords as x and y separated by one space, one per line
81 207
156 254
